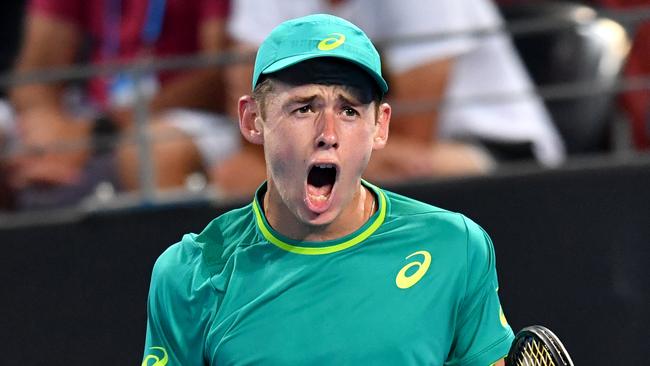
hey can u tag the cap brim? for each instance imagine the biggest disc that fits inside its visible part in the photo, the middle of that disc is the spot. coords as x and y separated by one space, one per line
292 60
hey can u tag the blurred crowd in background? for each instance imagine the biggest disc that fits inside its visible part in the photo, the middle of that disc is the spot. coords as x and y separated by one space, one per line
92 108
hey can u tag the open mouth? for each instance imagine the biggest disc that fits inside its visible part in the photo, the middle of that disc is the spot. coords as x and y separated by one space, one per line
320 183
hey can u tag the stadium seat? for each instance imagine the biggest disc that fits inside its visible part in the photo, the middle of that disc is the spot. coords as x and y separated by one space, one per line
574 56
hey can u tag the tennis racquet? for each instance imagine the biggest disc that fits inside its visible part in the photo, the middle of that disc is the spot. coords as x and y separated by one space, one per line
537 346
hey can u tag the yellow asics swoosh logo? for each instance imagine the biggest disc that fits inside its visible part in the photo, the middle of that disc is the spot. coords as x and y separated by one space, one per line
403 281
502 317
334 40
157 361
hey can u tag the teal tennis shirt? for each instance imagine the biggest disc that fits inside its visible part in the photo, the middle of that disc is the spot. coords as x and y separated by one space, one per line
415 285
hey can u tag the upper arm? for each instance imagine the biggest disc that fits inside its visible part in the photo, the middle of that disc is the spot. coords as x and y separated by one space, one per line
212 35
47 42
212 27
482 334
177 314
419 70
424 84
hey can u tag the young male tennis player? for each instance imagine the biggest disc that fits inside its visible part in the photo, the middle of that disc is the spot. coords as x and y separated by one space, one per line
323 267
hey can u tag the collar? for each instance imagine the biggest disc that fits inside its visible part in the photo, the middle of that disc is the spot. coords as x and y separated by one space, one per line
323 247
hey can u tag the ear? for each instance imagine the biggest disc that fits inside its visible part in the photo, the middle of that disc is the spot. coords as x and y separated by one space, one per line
250 120
383 121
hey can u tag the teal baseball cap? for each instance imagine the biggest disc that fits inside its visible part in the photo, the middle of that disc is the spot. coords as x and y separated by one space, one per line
313 36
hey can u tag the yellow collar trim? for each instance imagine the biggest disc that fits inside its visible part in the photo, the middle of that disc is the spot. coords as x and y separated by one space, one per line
323 250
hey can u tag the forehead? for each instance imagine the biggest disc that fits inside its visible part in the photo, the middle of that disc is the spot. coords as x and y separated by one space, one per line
330 71
286 93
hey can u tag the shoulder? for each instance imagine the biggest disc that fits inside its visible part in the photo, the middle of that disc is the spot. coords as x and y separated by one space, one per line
213 9
191 262
479 242
453 228
227 232
175 269
409 209
67 11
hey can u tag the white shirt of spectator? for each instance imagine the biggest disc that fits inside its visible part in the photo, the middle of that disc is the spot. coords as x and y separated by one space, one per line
489 94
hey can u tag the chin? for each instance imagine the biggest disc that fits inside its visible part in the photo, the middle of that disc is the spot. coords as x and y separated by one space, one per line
318 219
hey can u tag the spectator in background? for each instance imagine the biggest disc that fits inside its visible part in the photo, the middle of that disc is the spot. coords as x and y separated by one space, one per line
187 132
636 103
11 14
485 92
7 136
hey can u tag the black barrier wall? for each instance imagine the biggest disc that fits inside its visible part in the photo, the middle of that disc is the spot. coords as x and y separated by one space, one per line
572 254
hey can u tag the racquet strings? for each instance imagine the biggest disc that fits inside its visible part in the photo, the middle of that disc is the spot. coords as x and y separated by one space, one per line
532 352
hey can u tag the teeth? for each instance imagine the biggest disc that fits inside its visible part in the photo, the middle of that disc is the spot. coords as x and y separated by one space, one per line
324 166
319 197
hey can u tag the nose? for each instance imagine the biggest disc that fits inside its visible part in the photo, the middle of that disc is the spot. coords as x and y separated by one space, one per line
328 136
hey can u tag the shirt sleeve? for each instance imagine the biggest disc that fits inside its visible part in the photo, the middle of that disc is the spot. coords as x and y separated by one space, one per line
67 10
483 335
432 30
214 9
178 309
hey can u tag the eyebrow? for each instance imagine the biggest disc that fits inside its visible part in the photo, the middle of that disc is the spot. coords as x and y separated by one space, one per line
351 101
341 98
300 99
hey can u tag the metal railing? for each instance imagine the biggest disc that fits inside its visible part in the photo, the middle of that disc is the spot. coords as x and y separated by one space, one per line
627 18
